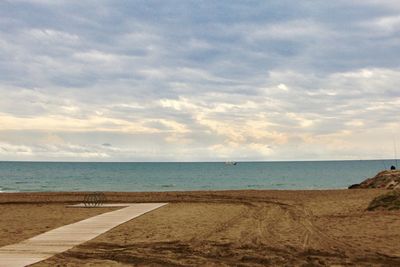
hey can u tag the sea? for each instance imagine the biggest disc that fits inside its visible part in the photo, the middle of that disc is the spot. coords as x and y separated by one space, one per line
179 176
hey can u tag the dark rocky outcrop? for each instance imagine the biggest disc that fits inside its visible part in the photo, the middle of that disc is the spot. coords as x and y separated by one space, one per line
383 180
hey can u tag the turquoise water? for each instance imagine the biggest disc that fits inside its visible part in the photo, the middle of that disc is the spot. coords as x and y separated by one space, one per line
63 176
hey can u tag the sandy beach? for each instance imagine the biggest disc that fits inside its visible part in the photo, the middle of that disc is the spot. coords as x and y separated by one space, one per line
247 228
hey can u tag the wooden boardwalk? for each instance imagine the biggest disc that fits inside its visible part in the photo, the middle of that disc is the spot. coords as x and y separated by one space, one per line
45 245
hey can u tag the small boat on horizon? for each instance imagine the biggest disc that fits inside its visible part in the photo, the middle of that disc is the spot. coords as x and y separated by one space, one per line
231 163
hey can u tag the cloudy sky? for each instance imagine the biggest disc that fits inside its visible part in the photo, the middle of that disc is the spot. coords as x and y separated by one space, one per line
183 80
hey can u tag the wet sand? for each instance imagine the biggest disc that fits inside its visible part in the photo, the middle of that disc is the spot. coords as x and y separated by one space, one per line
247 228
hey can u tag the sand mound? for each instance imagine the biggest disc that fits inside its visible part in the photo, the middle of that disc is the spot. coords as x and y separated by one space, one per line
383 180
389 201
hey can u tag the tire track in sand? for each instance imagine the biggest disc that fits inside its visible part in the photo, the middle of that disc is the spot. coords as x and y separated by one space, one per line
272 224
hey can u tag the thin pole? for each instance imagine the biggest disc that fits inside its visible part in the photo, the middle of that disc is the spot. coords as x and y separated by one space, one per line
395 151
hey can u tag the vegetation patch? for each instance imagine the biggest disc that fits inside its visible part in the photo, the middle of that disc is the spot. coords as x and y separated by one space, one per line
389 201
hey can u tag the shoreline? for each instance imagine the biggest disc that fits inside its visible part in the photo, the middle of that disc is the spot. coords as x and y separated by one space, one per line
177 196
181 191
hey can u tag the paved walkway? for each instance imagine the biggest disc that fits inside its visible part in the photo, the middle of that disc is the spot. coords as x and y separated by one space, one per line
61 239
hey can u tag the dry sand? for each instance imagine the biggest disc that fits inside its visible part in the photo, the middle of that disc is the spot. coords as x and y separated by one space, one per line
240 228
21 221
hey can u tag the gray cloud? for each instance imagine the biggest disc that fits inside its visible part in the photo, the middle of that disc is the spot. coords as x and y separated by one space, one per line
188 80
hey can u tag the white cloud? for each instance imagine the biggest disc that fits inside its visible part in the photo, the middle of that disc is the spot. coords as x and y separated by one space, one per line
96 56
286 30
49 35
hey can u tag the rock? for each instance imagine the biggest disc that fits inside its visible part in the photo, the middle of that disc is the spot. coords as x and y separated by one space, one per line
354 186
384 180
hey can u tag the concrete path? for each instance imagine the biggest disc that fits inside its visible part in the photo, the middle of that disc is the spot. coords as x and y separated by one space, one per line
61 239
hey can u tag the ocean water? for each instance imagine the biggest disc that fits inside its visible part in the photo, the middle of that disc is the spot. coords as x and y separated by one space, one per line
63 176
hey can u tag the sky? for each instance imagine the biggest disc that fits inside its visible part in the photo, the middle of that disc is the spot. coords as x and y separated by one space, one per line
183 80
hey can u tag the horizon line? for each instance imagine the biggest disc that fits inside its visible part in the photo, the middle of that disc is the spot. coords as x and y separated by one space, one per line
222 161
